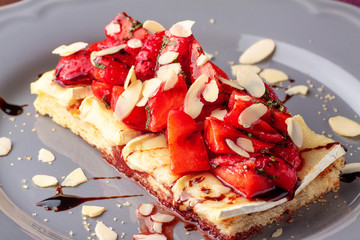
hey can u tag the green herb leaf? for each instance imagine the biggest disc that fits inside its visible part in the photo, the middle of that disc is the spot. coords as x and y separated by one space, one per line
148 112
272 158
133 27
105 101
99 65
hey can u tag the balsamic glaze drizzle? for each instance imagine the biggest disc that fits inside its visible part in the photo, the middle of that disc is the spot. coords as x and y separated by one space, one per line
11 109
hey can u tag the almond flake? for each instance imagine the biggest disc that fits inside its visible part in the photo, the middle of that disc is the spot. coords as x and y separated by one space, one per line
171 80
244 98
251 82
112 28
273 76
149 88
92 211
202 59
209 55
253 68
146 209
162 72
5 146
134 43
74 178
127 100
351 168
192 102
299 89
162 217
153 27
46 155
149 237
277 233
251 114
44 181
231 83
104 233
344 126
157 227
211 91
131 77
233 146
104 52
294 131
182 29
219 113
66 50
258 52
245 144
168 57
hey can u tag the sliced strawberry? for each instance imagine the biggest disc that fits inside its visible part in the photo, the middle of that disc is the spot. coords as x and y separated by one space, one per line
279 171
181 45
102 91
162 102
103 44
116 92
75 69
209 69
278 120
146 60
186 144
129 28
136 119
241 175
216 131
110 69
290 153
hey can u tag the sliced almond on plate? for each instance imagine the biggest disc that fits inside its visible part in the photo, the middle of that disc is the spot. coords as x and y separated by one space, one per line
92 211
258 52
344 126
295 90
74 178
168 57
104 52
251 114
294 131
149 89
104 233
44 181
192 102
134 43
66 50
45 155
211 91
233 146
251 82
5 146
127 100
253 68
351 168
112 28
149 237
153 27
162 217
146 209
182 29
273 76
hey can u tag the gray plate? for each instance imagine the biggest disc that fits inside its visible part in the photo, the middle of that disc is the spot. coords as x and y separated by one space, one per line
316 41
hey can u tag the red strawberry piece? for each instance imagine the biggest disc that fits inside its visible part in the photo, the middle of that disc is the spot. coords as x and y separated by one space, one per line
146 60
109 69
186 144
278 170
75 69
136 119
181 45
115 93
103 44
216 131
241 175
102 91
278 120
159 106
209 69
290 153
129 28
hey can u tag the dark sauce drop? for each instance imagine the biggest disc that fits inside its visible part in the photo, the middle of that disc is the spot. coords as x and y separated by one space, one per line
63 202
11 109
349 177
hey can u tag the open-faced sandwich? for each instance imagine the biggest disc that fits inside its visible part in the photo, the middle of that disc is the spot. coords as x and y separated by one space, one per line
223 153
